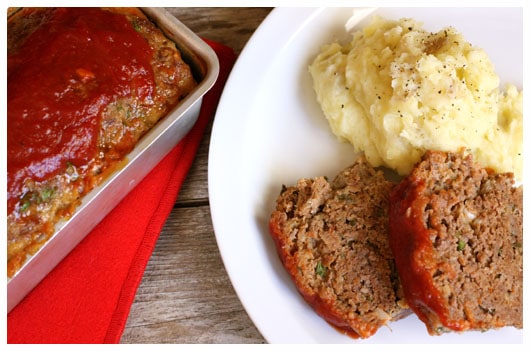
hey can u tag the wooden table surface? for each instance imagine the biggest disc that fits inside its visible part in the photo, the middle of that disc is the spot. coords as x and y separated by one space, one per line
185 295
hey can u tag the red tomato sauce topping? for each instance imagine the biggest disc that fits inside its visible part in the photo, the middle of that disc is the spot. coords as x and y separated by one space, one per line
59 82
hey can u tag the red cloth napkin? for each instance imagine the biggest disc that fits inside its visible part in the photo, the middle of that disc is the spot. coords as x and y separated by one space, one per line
87 297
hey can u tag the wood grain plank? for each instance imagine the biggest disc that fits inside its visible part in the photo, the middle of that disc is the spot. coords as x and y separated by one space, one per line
231 26
185 295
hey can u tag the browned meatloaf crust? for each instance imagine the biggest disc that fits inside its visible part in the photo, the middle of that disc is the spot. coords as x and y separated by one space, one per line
456 233
332 239
36 205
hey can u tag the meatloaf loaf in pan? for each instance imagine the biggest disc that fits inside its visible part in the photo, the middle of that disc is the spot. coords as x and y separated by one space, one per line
96 98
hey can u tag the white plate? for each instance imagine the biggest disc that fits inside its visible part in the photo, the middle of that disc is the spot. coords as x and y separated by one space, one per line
269 131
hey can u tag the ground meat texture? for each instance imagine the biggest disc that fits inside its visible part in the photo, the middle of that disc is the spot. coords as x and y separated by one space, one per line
455 229
38 205
332 239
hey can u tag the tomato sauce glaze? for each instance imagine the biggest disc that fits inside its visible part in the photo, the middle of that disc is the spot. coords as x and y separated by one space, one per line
59 82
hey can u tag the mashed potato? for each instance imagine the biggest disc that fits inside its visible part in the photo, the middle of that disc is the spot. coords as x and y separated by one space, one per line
397 90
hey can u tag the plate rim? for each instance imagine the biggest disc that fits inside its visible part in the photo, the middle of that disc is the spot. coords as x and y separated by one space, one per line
241 75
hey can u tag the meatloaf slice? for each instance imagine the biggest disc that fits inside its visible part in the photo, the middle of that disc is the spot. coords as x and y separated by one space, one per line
332 239
455 229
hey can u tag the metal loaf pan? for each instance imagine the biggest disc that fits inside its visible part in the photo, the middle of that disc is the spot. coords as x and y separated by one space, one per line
145 156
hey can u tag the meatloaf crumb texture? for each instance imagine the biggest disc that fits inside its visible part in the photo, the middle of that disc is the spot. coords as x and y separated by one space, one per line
332 239
42 203
455 229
